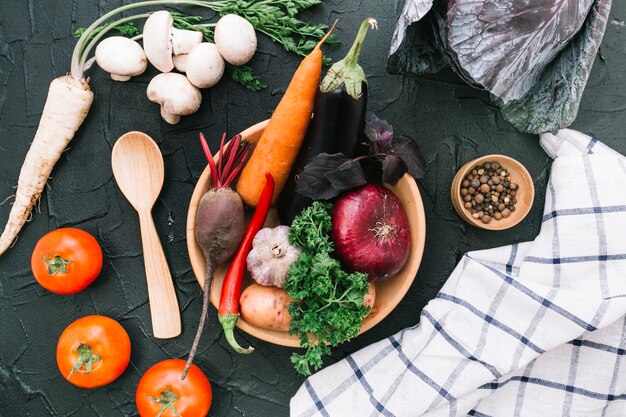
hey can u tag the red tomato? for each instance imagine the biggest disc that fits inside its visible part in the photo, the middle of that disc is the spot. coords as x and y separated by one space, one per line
161 391
93 351
66 261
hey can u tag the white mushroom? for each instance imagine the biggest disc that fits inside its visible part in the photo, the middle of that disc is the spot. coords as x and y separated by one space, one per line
161 40
175 94
121 57
183 41
180 62
205 65
235 39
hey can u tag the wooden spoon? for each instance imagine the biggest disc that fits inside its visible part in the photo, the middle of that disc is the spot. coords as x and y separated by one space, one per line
138 170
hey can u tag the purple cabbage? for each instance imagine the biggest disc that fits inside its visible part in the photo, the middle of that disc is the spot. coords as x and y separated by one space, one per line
534 57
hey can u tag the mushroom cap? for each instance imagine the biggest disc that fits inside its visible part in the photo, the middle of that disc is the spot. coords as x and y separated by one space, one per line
157 40
121 57
205 65
175 94
235 39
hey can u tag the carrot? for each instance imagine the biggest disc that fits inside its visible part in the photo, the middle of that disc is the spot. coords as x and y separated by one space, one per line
280 142
66 107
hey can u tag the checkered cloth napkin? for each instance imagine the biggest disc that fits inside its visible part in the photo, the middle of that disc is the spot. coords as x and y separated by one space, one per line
532 329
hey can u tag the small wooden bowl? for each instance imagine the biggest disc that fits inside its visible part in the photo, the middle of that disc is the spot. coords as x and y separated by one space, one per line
388 293
525 192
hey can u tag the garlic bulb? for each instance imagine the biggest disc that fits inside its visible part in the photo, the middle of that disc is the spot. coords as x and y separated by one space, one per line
271 256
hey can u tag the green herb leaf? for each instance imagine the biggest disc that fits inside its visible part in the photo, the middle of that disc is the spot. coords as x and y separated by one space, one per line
310 229
244 76
328 302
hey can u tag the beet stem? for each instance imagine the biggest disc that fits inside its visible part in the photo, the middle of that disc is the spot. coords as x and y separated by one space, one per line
234 174
219 160
232 153
209 156
206 289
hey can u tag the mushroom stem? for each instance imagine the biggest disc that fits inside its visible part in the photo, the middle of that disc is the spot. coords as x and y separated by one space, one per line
175 94
180 62
183 40
169 117
118 77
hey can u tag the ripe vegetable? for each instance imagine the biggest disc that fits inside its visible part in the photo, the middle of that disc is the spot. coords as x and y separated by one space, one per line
66 107
369 300
93 351
228 311
235 39
329 303
69 96
279 144
271 256
161 40
205 66
219 219
162 391
533 58
266 307
370 231
66 261
176 95
327 176
337 124
123 58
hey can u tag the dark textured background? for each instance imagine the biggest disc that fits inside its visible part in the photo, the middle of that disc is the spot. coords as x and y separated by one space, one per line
451 121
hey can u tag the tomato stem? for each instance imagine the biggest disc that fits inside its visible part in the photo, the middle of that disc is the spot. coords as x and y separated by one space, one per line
86 358
56 264
167 400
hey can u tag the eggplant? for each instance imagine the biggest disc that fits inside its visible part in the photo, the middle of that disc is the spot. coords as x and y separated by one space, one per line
337 125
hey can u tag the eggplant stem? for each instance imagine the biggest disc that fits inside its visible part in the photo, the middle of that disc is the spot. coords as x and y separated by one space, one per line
348 71
352 57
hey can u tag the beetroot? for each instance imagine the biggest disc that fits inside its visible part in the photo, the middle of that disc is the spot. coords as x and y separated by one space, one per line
370 231
219 219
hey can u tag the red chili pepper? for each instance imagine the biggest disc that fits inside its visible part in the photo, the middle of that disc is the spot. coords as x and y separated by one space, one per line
228 313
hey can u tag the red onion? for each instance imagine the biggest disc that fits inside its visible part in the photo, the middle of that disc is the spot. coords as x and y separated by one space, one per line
371 232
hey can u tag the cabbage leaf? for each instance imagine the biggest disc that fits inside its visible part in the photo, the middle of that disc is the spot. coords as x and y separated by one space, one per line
553 101
533 57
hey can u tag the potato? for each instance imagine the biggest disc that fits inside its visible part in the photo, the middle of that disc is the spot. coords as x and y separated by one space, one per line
370 299
266 307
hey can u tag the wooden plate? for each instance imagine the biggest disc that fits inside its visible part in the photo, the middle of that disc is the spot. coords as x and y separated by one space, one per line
525 193
388 293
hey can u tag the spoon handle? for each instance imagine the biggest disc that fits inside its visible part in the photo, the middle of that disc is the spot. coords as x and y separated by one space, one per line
163 305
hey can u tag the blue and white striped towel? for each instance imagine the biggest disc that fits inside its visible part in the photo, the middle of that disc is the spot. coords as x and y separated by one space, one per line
533 329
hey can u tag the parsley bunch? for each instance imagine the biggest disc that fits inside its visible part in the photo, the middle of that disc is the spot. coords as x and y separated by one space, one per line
328 302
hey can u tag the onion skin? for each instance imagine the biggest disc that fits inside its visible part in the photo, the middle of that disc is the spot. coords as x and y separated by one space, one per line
370 231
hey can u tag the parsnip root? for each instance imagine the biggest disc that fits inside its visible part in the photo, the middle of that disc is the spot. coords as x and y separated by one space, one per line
66 107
